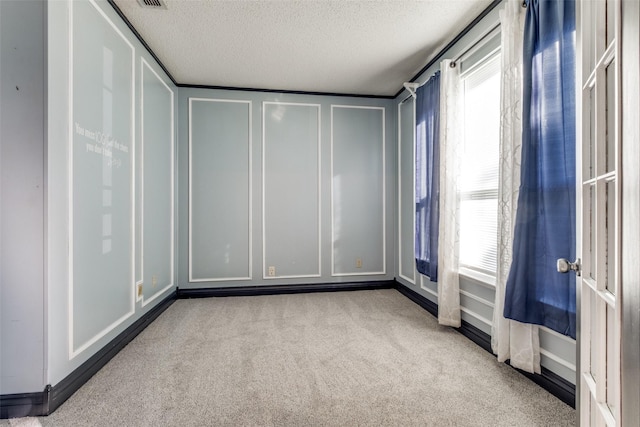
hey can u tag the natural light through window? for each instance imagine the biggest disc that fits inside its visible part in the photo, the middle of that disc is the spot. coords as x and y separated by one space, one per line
480 166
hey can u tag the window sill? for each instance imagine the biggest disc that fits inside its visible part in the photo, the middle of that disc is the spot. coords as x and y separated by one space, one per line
478 276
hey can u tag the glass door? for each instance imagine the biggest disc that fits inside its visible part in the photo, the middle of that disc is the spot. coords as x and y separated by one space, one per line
599 198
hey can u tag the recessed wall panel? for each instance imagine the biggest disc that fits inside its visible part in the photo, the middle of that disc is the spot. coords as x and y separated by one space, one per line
406 198
358 190
157 184
220 192
101 178
291 190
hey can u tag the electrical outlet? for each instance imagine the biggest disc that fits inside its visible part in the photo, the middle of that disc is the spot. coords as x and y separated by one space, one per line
140 290
358 262
271 271
154 281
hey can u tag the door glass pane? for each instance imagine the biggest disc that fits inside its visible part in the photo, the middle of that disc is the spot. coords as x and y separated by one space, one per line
610 231
592 231
611 117
612 362
591 171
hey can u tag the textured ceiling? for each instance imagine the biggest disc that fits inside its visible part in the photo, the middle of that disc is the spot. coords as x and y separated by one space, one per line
354 47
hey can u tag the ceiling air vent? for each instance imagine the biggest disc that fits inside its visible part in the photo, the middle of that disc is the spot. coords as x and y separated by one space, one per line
152 4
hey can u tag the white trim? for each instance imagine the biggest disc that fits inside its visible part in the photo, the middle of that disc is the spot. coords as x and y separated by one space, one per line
557 334
426 289
366 273
400 200
74 352
406 278
250 192
384 195
476 316
557 359
399 189
413 183
476 298
70 188
481 278
173 146
140 296
319 177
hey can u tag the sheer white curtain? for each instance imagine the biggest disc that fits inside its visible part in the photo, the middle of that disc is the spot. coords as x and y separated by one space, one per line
449 238
510 339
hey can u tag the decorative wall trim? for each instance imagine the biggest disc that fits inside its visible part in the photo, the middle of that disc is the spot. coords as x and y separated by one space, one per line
477 298
70 384
46 402
558 360
250 193
476 316
319 177
173 146
73 352
237 291
550 381
384 195
411 280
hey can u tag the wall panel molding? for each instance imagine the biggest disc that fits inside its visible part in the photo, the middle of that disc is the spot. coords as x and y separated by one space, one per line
278 115
76 348
336 191
193 278
145 301
401 202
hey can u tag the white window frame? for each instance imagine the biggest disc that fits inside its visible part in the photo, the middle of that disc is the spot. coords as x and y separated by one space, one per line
478 274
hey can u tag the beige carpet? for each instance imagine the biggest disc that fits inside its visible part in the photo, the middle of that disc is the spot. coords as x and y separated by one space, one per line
365 358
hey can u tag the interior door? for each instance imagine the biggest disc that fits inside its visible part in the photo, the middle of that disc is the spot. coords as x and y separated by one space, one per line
599 197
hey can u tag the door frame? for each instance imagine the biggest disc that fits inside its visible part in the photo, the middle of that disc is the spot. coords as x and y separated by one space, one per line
630 221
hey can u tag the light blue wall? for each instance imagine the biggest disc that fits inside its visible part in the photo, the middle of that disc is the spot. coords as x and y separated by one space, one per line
260 172
155 262
358 190
291 190
110 180
406 191
22 201
476 298
220 175
318 187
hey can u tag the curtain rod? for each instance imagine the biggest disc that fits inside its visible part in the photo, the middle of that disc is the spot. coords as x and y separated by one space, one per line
406 99
475 45
412 95
469 49
479 40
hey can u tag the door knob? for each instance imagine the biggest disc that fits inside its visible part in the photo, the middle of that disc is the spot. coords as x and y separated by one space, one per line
564 266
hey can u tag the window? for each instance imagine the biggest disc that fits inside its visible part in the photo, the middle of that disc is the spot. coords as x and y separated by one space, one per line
479 168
